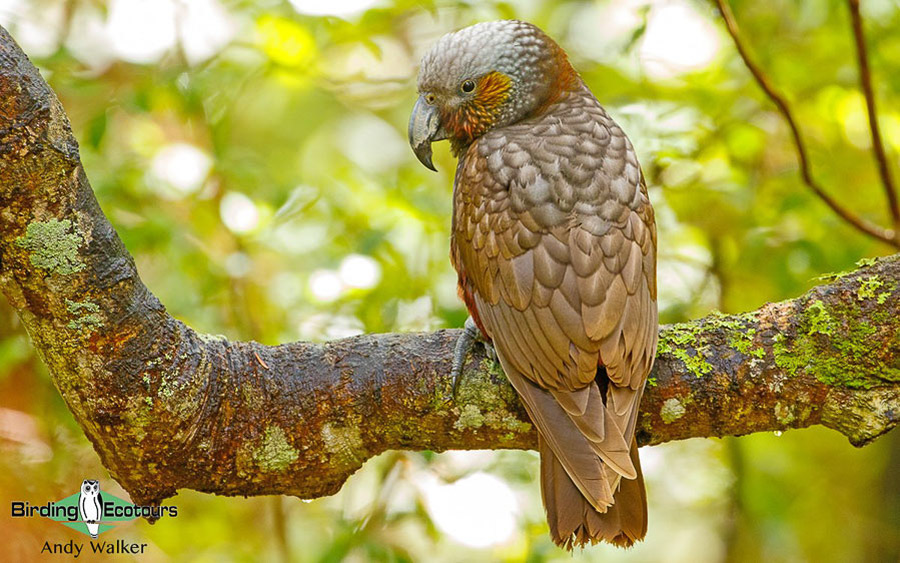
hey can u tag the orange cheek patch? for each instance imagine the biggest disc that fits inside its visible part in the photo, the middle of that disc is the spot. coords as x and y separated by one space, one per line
493 90
475 117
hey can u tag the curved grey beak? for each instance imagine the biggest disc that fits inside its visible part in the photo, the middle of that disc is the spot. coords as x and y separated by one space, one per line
424 124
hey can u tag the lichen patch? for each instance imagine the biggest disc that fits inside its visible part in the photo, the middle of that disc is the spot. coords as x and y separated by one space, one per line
496 402
784 413
53 245
344 443
86 315
672 410
469 417
275 453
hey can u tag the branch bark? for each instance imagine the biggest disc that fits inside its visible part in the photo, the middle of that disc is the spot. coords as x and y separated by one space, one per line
167 407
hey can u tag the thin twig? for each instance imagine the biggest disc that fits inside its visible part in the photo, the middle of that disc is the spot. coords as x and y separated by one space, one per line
886 235
865 82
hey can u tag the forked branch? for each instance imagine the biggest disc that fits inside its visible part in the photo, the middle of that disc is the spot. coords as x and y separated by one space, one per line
889 236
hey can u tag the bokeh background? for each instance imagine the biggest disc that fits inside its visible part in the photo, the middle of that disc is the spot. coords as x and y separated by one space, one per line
252 156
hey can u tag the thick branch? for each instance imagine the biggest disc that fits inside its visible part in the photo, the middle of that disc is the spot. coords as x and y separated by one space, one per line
168 408
888 236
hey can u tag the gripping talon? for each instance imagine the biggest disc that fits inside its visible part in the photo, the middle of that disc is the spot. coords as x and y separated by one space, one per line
463 345
490 351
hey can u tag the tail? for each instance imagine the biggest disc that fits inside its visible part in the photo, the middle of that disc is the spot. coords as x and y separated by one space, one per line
575 439
575 523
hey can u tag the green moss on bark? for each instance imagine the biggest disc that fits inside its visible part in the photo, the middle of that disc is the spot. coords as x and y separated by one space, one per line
868 287
688 342
683 342
834 344
819 320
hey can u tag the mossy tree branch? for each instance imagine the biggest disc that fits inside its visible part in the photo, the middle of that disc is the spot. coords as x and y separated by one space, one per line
167 407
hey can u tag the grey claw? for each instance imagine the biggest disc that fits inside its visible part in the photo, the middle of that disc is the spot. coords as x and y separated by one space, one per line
463 345
491 352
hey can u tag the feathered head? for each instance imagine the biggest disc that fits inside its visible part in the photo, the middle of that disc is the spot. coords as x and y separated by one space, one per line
485 76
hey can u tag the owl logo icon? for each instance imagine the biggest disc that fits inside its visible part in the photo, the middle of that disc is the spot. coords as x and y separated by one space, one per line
90 505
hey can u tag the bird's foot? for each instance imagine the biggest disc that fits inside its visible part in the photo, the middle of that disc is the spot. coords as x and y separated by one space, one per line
471 334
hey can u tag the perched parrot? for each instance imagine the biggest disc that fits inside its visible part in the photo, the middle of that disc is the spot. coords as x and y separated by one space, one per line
554 241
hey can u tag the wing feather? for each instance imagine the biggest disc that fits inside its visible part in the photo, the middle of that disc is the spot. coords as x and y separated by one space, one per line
561 291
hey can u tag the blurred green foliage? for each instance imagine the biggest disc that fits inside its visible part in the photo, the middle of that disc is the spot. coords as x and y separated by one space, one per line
252 157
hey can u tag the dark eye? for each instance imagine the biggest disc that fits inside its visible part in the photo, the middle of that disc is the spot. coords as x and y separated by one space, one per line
468 86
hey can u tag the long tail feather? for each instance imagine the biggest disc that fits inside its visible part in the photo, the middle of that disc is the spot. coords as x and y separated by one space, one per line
575 523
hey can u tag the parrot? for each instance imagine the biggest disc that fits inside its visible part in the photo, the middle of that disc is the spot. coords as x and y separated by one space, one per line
553 238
